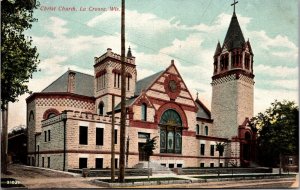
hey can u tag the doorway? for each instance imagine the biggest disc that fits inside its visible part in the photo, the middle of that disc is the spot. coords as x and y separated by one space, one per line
142 154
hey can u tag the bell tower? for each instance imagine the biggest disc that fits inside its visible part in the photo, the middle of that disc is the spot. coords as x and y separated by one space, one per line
107 81
232 82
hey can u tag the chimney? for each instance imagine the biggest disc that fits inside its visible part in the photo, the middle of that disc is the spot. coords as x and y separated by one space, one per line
172 61
71 82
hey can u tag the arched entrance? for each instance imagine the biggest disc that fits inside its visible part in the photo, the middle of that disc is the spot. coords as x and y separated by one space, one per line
170 132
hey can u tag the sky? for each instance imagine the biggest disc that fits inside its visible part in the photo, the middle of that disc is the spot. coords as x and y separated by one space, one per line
69 34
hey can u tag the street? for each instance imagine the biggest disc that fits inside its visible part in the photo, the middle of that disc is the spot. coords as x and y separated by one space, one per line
39 178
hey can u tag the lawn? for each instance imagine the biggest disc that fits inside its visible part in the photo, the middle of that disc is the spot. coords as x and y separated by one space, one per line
242 175
130 180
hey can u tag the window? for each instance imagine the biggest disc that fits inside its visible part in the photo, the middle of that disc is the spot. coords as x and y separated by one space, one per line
115 79
99 163
83 135
116 162
202 149
197 129
33 164
212 150
211 165
170 132
171 165
48 162
51 115
206 130
290 160
99 136
119 81
82 163
221 165
179 165
45 135
31 116
144 112
128 83
201 165
116 136
49 135
98 83
101 108
43 162
142 135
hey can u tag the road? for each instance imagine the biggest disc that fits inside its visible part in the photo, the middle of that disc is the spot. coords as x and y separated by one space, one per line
39 178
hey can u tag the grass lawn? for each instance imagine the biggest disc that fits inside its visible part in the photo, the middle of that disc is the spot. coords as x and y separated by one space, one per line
142 179
242 175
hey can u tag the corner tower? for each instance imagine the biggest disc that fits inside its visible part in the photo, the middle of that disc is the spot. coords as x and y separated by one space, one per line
232 82
107 81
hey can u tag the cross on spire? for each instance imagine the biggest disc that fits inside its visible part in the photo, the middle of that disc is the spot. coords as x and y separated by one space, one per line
233 4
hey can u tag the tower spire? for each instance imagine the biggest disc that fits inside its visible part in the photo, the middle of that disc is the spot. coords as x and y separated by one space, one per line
233 4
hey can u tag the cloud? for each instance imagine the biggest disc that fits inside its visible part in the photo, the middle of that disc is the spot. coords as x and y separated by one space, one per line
264 97
276 72
279 46
57 27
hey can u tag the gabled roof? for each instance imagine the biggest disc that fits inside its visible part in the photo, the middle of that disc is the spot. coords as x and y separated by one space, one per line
84 84
144 83
203 112
234 37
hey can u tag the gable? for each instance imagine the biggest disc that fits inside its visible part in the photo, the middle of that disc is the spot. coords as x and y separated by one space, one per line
203 112
169 85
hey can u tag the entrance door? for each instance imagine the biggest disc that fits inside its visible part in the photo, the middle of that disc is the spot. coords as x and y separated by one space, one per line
142 155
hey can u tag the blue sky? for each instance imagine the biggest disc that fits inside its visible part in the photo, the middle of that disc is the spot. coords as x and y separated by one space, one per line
160 30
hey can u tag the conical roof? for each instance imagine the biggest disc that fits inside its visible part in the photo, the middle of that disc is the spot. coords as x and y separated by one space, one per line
218 49
234 37
129 54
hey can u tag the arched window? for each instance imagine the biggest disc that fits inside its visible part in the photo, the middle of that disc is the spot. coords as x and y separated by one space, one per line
206 130
144 112
197 129
170 132
50 115
31 116
101 108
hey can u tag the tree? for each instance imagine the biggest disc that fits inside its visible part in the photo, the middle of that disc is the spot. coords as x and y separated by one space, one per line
148 148
19 58
278 132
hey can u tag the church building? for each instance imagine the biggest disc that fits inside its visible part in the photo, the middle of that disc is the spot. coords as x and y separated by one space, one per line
69 123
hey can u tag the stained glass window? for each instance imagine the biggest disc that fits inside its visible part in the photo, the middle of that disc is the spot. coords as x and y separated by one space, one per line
171 117
170 141
170 132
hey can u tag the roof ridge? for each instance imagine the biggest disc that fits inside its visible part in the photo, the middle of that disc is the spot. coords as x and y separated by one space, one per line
150 76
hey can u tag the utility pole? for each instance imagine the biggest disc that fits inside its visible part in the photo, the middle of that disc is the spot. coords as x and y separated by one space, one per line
123 96
127 151
112 161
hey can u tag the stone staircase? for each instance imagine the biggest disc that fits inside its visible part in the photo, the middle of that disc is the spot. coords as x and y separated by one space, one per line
156 167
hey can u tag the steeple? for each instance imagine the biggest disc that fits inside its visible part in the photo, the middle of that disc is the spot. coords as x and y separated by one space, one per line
234 37
129 54
235 56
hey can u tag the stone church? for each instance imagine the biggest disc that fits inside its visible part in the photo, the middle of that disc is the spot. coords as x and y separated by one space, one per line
69 123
